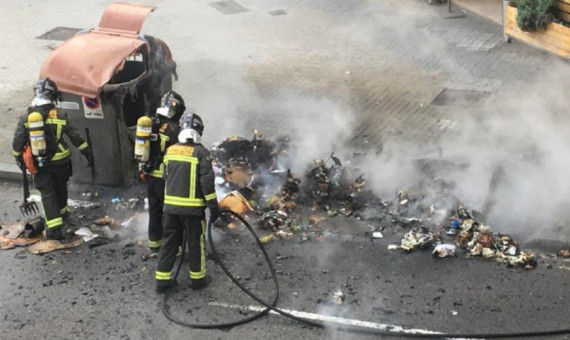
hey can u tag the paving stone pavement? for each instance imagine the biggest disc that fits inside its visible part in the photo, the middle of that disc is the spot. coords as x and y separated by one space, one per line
327 72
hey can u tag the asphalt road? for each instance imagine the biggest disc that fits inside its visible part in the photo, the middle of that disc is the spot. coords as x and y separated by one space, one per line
108 291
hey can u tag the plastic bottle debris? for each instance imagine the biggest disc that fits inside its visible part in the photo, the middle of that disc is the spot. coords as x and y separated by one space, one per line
444 250
115 200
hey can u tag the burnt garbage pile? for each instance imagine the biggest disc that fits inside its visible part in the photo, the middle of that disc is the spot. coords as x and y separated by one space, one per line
254 179
440 222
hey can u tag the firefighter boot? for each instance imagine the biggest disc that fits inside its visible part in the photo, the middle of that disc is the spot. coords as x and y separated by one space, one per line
200 283
163 287
54 234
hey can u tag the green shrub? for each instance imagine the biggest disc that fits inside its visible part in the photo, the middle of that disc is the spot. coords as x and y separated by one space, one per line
534 15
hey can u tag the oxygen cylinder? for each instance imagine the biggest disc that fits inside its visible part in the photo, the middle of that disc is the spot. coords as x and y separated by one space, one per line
142 139
37 134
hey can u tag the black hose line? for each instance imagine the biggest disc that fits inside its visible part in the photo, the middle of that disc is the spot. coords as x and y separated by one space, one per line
352 329
169 316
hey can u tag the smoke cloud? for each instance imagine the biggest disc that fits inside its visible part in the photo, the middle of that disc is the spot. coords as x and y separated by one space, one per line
510 152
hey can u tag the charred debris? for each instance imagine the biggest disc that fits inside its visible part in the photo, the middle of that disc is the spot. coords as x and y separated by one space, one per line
254 180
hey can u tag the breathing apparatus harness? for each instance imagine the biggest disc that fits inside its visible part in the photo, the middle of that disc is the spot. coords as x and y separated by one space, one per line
171 108
46 93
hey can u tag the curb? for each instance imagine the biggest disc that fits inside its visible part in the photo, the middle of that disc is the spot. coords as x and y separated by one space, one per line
11 172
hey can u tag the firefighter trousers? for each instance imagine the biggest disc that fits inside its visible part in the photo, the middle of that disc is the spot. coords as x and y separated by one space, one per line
174 228
155 193
51 181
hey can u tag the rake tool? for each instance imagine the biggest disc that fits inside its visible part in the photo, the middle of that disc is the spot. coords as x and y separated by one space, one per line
28 208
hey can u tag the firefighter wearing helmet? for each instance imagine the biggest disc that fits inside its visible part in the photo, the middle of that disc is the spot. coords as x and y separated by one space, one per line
153 137
42 129
189 190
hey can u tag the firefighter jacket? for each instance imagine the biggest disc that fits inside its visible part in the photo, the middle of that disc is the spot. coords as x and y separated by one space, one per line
189 179
166 132
55 126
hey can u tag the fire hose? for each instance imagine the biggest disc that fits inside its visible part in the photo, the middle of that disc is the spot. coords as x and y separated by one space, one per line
272 306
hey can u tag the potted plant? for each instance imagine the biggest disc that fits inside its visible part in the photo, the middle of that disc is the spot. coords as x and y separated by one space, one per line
541 23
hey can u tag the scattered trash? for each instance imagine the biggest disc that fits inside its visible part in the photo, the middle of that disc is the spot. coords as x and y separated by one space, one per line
122 204
479 240
273 219
90 195
316 219
393 247
106 232
46 246
99 241
20 241
377 234
110 221
418 238
236 202
152 255
338 297
267 239
564 253
12 231
146 203
444 250
403 197
132 203
81 204
127 222
86 234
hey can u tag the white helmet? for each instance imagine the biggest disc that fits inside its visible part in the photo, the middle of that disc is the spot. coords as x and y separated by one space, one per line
192 128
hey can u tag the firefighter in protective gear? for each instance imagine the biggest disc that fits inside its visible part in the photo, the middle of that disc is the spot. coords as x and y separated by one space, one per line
165 130
53 162
189 191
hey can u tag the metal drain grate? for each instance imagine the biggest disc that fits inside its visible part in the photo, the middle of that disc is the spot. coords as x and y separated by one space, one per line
277 12
460 97
59 33
228 7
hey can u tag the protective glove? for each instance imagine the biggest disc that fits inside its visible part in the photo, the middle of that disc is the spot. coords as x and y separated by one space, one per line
214 214
20 162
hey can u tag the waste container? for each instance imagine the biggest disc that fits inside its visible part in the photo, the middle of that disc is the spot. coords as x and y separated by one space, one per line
109 77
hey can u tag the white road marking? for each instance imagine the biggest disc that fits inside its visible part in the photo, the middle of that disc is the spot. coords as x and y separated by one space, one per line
332 319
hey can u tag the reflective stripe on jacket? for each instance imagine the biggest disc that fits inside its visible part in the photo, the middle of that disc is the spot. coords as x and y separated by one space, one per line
189 179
